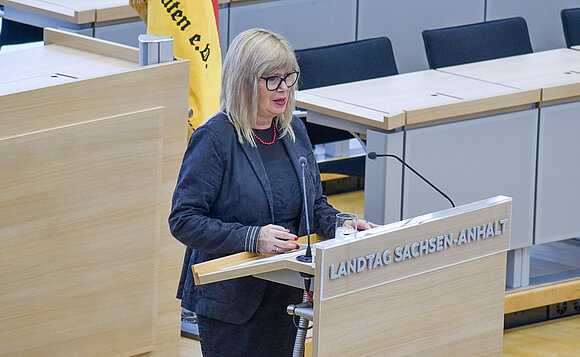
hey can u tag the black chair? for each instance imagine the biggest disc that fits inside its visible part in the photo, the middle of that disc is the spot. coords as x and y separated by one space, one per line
14 33
476 42
342 63
571 26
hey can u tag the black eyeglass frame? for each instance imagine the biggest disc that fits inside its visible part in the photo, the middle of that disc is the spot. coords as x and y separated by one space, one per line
282 79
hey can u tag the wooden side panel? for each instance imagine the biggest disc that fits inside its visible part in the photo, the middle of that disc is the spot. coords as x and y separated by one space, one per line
113 13
164 85
60 10
456 311
90 44
79 235
542 295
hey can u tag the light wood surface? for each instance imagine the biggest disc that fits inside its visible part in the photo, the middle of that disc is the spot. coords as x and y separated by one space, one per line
76 11
86 12
64 61
412 98
352 202
419 316
375 118
100 209
236 265
91 45
67 196
542 295
555 72
554 338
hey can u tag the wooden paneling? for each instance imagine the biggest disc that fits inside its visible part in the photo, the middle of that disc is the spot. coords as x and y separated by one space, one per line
92 45
447 302
452 312
237 265
543 295
67 10
554 338
79 237
115 89
76 11
418 229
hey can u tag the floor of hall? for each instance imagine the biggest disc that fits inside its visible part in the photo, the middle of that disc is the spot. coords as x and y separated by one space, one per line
553 338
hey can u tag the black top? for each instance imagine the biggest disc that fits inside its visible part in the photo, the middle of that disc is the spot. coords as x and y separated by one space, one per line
286 192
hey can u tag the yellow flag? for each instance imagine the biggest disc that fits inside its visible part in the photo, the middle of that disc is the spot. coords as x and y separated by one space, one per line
141 7
193 25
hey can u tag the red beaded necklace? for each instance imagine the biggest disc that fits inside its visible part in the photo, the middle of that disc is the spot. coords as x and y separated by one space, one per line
262 141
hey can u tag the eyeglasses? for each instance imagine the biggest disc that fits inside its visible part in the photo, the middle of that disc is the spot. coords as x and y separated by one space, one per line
274 82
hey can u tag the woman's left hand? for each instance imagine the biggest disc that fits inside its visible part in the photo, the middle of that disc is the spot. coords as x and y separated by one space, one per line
363 224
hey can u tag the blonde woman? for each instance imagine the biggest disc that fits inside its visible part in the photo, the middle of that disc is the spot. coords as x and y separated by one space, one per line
239 189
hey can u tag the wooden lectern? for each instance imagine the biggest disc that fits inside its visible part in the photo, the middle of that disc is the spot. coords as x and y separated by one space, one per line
90 149
433 285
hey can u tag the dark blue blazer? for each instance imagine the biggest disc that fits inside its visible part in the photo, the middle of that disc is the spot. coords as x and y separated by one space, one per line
221 199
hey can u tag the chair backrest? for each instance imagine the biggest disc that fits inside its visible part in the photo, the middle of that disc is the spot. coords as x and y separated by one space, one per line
14 33
476 42
346 62
343 63
571 26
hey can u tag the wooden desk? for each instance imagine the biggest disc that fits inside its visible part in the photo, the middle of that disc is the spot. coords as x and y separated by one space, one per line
557 74
76 11
113 20
493 153
90 149
400 114
408 99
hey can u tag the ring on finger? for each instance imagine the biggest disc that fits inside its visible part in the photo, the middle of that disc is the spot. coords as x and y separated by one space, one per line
276 248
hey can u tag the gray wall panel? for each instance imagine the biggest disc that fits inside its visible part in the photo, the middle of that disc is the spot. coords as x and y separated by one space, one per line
126 34
558 191
404 20
385 178
223 20
473 160
305 23
542 16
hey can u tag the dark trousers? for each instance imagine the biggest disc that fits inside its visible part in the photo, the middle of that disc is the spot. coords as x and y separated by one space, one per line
270 332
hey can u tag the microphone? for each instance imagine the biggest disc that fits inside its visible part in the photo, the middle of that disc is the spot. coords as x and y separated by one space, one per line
373 155
307 257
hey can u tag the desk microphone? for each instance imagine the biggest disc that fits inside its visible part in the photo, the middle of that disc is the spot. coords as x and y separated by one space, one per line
373 155
307 257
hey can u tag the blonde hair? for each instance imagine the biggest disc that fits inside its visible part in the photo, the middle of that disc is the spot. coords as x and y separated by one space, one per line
252 54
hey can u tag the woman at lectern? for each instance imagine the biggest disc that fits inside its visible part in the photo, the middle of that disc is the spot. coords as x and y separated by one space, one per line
239 189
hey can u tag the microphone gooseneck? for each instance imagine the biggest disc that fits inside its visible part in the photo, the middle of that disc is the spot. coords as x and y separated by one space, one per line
307 257
373 155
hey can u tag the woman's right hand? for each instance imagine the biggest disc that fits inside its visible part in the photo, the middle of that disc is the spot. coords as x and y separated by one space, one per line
275 239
